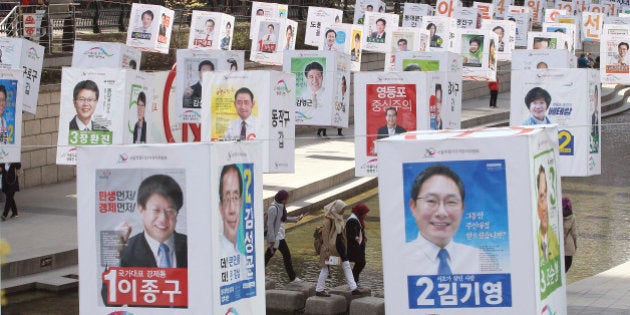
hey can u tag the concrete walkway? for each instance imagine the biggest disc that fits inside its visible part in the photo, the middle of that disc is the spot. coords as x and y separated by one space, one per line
44 236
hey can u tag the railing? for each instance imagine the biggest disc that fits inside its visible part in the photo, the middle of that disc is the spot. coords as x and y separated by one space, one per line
62 19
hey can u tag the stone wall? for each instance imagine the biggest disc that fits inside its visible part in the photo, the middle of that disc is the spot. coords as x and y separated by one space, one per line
39 142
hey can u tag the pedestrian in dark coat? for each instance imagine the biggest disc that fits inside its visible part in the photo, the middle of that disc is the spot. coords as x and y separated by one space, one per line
10 185
355 233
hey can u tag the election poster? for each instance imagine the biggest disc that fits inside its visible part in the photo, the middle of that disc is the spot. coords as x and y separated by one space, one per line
361 7
28 57
127 262
615 63
523 26
526 59
547 40
467 17
386 104
569 30
261 10
90 111
344 38
191 64
138 112
570 8
405 39
413 13
537 7
150 28
570 98
377 29
446 8
575 21
11 83
318 77
506 37
252 105
486 10
445 101
211 31
270 40
479 53
317 20
439 28
88 54
474 263
551 15
501 7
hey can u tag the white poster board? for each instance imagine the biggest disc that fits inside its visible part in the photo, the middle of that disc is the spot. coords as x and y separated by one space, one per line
28 57
405 39
592 26
490 261
150 27
252 105
138 118
271 40
501 7
467 17
506 36
479 53
414 12
527 59
564 28
11 83
318 77
90 111
547 40
347 39
376 28
363 6
266 10
211 30
523 26
105 54
317 20
446 7
613 51
167 185
439 28
569 98
191 64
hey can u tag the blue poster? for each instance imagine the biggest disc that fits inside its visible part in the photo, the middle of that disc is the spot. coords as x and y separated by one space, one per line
456 234
8 96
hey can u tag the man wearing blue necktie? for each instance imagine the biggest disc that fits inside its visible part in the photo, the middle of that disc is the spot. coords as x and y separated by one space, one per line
437 204
159 200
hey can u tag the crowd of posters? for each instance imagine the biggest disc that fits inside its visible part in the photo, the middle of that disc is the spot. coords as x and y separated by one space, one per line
361 7
138 232
28 57
476 262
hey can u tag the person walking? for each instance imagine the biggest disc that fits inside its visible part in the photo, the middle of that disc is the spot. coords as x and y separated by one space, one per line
494 92
570 233
355 233
333 250
10 185
276 217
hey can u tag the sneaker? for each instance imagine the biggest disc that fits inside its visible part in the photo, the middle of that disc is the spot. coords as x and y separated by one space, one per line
322 293
356 292
296 280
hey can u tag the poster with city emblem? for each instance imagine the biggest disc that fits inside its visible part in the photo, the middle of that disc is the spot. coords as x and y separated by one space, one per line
89 112
479 53
211 30
377 28
28 57
455 221
615 62
150 27
88 54
11 83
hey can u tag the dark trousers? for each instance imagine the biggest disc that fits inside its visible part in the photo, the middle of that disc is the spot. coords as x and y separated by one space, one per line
359 264
568 260
321 131
9 203
286 256
493 98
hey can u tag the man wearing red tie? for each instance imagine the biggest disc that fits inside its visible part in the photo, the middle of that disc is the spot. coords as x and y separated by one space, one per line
206 40
243 127
269 40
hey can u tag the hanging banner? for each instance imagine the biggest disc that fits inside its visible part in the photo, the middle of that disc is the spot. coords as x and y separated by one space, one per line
252 105
470 264
615 63
210 30
127 262
414 12
150 27
318 19
569 98
11 83
28 57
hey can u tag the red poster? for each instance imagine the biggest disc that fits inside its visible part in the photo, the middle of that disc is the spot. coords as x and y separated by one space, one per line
390 109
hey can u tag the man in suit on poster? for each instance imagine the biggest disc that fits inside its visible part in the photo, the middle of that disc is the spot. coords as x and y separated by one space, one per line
392 128
85 99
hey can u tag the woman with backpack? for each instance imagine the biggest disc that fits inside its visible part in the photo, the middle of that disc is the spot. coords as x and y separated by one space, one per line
275 219
355 233
333 250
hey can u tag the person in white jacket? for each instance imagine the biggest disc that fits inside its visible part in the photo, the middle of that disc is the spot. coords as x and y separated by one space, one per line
276 217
